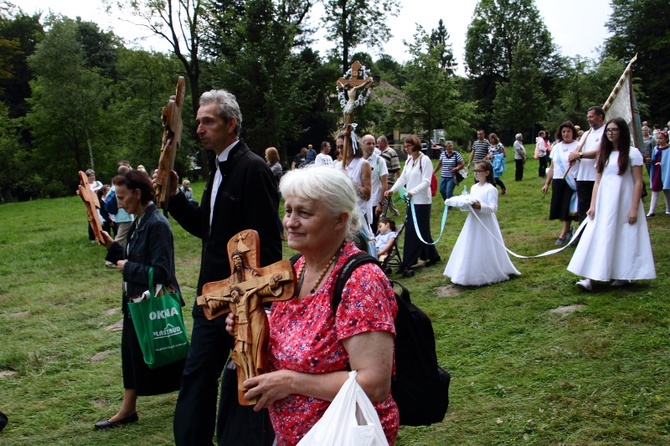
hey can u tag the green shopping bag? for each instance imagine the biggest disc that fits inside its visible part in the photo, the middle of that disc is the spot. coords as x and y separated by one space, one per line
160 328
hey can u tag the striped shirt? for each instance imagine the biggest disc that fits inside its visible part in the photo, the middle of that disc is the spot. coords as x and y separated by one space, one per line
449 162
481 149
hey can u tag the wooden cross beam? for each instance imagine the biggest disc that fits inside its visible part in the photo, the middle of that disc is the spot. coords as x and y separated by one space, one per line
172 126
244 293
92 203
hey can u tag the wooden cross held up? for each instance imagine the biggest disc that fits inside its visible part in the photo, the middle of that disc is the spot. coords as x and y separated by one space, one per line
352 85
244 293
172 126
92 203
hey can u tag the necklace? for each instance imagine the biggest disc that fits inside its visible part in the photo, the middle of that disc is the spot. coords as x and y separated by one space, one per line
301 274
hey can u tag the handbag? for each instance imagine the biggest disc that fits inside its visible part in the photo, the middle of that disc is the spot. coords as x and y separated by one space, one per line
350 420
460 175
159 325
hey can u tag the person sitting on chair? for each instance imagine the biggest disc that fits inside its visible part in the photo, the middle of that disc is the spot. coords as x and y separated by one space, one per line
385 238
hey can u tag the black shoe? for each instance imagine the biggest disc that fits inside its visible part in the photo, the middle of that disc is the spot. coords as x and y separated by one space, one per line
112 424
3 421
407 272
433 261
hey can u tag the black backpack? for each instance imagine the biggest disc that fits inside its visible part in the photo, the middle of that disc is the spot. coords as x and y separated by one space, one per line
420 386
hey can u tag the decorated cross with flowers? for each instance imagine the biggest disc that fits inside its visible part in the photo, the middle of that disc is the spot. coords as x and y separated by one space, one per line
352 91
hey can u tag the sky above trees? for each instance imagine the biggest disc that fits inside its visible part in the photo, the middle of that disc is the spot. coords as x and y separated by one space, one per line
577 26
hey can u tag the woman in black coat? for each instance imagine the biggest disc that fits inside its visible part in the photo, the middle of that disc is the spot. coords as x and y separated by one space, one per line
149 244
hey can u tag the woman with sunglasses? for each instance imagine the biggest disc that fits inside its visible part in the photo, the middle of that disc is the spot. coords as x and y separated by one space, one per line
615 244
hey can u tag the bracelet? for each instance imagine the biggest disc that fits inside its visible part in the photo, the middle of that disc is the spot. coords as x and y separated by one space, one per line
581 155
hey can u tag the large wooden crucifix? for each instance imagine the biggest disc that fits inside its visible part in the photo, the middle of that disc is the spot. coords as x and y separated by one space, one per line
172 127
352 83
92 203
244 293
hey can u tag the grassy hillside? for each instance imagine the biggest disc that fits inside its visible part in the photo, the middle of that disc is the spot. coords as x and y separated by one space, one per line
523 373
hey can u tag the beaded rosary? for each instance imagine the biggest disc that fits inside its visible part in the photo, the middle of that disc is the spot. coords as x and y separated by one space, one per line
323 272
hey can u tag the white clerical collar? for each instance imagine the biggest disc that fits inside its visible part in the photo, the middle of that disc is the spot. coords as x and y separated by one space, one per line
224 155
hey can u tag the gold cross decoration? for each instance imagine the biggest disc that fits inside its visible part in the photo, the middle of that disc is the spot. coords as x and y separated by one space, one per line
244 293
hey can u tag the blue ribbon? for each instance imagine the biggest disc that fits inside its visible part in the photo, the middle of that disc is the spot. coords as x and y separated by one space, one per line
416 224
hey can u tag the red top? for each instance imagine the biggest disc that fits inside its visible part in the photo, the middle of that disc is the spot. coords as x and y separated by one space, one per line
305 337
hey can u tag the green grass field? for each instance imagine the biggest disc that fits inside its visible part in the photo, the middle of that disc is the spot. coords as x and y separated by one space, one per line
521 373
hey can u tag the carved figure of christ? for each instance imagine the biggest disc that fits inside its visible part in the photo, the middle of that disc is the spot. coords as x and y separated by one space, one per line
245 293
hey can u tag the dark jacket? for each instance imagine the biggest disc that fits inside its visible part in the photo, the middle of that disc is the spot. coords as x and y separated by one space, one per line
150 244
247 199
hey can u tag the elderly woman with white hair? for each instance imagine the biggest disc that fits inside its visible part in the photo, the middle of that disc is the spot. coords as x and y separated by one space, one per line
311 349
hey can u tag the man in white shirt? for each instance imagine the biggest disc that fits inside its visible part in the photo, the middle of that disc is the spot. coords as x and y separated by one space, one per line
585 159
379 178
324 158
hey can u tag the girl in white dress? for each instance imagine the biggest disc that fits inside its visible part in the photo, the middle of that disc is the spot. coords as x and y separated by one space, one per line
615 243
479 256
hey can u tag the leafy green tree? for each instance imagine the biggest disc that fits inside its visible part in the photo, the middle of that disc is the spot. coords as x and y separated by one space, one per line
642 27
144 82
66 119
492 37
266 76
350 23
586 83
317 119
19 35
432 99
389 70
182 24
14 156
520 102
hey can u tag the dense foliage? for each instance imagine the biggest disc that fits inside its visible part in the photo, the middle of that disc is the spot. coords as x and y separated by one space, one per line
73 96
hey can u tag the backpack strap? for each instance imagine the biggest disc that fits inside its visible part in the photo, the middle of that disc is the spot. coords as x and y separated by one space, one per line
350 265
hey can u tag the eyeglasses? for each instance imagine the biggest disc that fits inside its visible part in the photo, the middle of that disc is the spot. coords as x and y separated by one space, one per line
340 146
613 130
478 171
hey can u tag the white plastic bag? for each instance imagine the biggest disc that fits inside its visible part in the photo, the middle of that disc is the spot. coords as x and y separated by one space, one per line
350 420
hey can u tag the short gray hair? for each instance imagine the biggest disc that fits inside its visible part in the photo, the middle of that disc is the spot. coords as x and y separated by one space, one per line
228 106
328 185
518 135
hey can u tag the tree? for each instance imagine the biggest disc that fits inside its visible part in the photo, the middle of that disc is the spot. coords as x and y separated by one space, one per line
18 38
180 23
585 83
389 70
67 104
144 82
439 38
520 103
357 22
433 99
266 76
493 35
642 27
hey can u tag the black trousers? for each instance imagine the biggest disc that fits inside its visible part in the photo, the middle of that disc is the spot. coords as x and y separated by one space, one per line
195 414
518 173
414 249
542 170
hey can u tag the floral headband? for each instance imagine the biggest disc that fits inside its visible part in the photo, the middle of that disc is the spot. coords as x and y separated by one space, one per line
663 132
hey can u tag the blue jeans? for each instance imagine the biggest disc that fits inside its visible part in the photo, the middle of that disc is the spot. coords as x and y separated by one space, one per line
447 185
